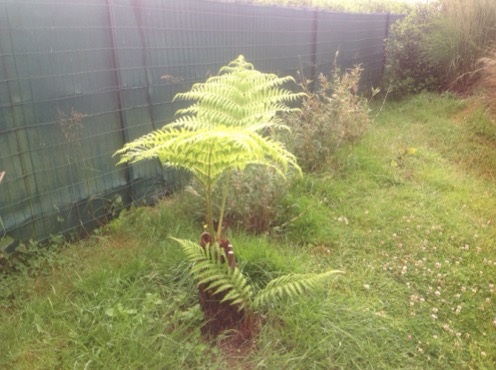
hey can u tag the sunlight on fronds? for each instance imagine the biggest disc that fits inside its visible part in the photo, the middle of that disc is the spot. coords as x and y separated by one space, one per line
218 132
239 96
208 152
225 129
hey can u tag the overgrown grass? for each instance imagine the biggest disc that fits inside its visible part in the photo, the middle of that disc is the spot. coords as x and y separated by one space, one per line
438 46
408 213
461 35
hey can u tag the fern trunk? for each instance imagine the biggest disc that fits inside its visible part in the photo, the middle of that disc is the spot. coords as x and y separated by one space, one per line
219 316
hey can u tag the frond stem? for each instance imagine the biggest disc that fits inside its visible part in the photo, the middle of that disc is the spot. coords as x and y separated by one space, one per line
208 192
223 204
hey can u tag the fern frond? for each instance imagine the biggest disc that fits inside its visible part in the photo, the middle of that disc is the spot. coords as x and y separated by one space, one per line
208 153
289 286
210 270
239 96
220 130
194 252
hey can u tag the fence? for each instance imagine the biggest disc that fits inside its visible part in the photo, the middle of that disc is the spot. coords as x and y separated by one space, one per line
79 78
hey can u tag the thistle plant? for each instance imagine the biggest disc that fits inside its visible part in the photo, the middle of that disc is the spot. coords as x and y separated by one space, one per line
227 128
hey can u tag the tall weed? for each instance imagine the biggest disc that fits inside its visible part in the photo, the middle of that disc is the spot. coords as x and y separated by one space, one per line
334 114
460 36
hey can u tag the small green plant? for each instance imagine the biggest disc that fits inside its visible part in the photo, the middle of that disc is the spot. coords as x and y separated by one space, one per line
334 114
220 133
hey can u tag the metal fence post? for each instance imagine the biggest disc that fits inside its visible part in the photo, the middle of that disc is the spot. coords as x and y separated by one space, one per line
122 116
315 28
386 35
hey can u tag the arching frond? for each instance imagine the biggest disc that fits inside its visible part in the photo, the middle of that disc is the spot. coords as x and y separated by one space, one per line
207 153
291 285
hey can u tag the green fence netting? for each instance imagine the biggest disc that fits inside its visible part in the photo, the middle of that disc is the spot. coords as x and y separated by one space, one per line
79 78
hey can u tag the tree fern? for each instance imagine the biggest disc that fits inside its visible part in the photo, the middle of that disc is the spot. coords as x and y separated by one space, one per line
222 130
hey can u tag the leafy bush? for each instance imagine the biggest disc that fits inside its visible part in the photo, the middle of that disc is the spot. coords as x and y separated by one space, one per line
256 196
253 201
408 70
437 46
334 114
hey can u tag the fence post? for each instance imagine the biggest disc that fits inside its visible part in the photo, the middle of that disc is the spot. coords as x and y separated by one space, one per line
122 117
137 6
313 72
386 35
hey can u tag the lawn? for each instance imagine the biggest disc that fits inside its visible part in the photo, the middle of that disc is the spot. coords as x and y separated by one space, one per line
407 213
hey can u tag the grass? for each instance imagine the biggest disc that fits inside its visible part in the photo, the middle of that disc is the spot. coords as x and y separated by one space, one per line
408 213
460 37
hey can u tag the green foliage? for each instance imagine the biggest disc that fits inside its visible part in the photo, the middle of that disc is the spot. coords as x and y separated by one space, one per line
255 203
408 69
240 96
209 269
124 298
438 45
361 6
208 152
291 285
220 132
333 115
460 35
29 258
254 200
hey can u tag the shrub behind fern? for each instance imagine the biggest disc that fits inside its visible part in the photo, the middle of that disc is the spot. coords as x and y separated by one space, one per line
254 201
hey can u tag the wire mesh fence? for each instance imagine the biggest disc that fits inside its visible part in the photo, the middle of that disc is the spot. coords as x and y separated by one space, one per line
79 78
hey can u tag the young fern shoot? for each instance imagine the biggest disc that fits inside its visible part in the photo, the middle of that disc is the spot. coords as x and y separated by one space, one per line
209 269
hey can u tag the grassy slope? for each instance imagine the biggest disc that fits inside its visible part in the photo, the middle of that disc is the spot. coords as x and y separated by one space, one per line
414 231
